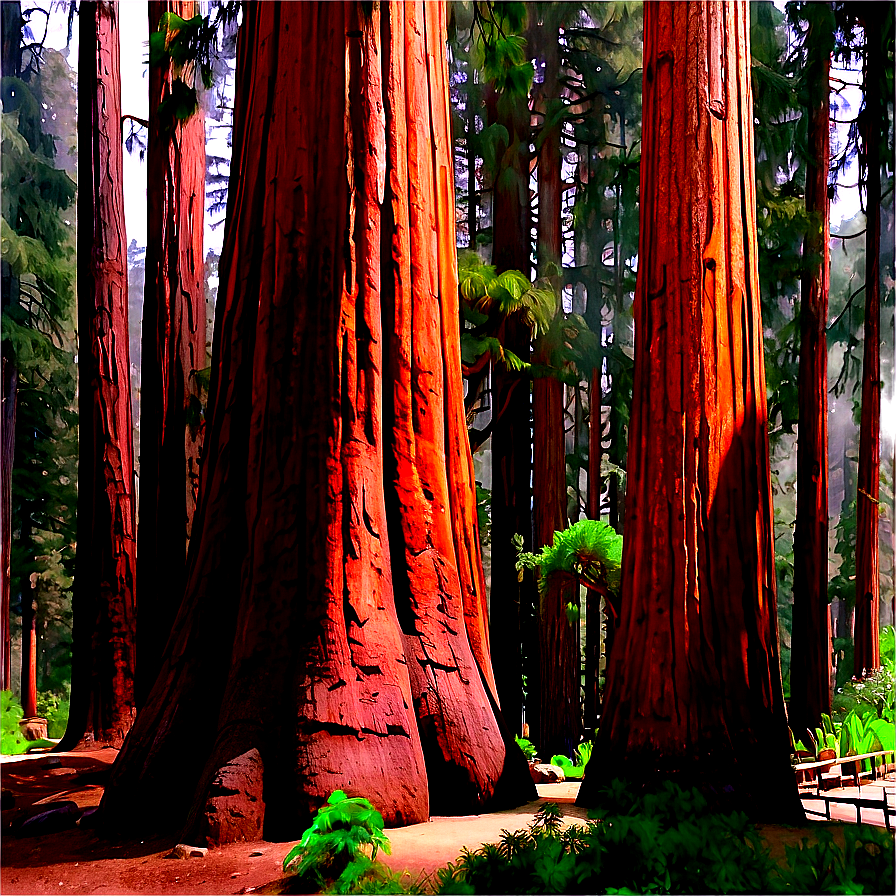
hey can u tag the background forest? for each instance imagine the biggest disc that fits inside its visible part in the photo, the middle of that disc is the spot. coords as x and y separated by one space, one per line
546 126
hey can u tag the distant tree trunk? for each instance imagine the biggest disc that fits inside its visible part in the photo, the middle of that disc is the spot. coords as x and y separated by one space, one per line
867 619
102 708
694 682
560 719
10 66
511 402
810 658
173 350
28 686
332 619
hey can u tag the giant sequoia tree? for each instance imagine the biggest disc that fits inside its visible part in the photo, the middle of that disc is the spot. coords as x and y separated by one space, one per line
332 631
173 350
102 707
693 684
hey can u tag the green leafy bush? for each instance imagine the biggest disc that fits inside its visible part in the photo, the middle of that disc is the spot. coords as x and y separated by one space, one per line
589 551
575 768
665 842
12 742
55 709
331 853
527 747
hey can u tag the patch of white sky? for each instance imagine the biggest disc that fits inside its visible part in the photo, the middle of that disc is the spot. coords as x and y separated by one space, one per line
134 37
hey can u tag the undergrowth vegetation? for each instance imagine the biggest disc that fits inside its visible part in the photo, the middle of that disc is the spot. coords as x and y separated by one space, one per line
662 842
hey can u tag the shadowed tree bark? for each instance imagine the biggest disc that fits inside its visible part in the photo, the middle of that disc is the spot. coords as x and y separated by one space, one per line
332 619
810 667
694 682
173 350
102 706
511 438
867 618
559 718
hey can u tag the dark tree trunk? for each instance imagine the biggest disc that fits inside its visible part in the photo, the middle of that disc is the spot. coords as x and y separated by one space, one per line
867 620
332 619
511 430
810 658
173 350
560 722
694 682
102 707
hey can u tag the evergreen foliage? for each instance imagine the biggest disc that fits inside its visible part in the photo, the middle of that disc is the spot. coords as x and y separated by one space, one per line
39 335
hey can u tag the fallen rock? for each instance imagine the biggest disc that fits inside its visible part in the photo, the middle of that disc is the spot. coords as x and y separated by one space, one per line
183 851
545 773
234 809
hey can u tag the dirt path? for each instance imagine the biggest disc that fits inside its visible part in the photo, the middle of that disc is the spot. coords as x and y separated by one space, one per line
76 861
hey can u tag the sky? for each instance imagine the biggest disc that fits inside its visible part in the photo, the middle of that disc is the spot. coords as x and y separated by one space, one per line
134 36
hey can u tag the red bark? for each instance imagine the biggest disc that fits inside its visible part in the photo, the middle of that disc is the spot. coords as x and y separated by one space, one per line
332 618
560 719
102 708
810 665
867 619
694 682
173 350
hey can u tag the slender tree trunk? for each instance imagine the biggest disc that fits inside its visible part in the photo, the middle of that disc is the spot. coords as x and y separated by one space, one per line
867 655
810 658
29 646
694 682
560 725
511 431
102 708
173 350
332 632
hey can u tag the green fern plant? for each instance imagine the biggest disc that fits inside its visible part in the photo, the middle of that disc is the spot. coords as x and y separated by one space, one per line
589 551
488 298
332 851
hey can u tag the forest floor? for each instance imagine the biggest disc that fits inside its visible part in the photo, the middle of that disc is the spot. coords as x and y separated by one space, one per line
75 860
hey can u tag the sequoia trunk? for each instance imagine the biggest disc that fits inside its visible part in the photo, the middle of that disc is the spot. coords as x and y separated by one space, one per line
694 683
173 351
867 620
102 707
332 632
560 719
511 409
810 664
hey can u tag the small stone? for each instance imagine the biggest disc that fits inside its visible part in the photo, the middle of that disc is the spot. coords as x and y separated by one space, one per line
184 851
235 874
544 773
255 852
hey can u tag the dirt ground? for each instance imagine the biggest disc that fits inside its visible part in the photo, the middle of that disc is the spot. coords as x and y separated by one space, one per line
76 861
